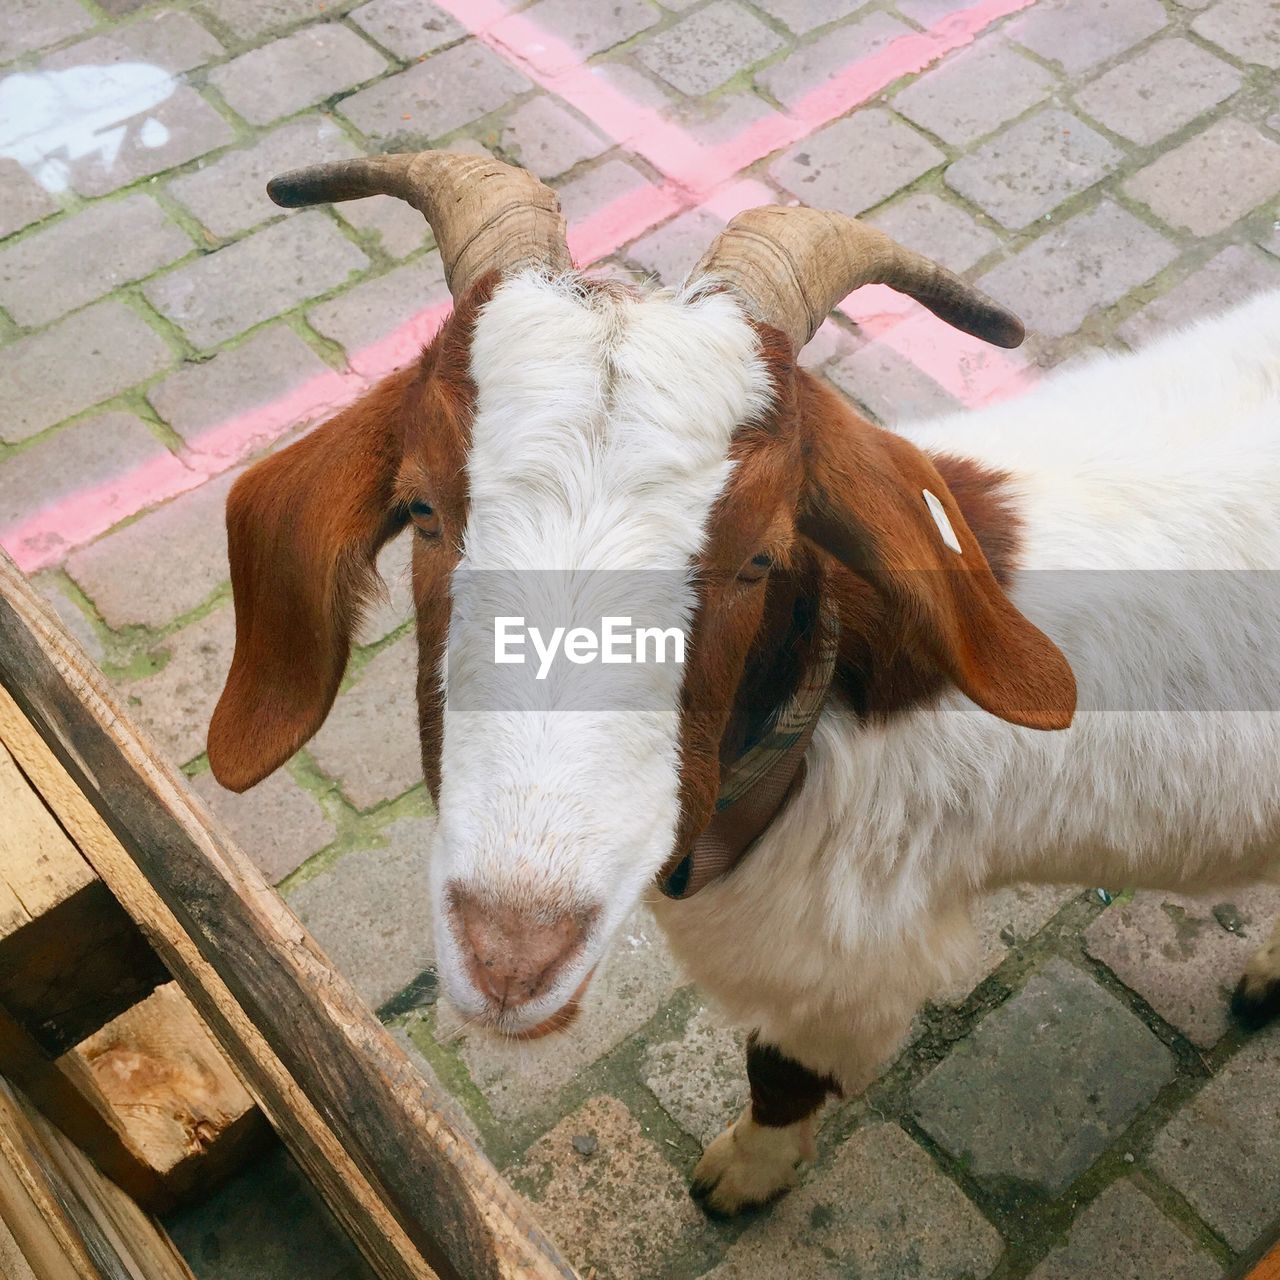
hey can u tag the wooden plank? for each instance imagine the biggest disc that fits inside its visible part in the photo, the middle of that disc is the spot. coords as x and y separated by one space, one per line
70 958
413 1190
175 1095
66 1219
68 1095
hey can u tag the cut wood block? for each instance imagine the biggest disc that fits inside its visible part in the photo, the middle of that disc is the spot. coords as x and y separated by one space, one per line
70 958
174 1094
63 1219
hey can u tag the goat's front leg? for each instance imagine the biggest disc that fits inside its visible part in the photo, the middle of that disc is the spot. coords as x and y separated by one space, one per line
755 1159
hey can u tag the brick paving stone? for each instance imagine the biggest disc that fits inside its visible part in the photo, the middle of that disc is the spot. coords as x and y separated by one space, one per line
85 255
90 455
707 48
879 1209
408 28
1222 1150
277 823
700 1078
591 191
395 605
175 704
182 127
162 566
371 910
1161 89
72 616
1082 266
1237 273
547 139
228 195
1211 180
520 1079
642 89
80 361
175 42
263 368
621 1212
672 251
1123 1236
938 229
22 199
1247 29
1006 919
803 16
889 386
975 92
224 293
247 21
812 65
397 228
589 27
296 71
120 8
1033 166
1079 34
370 740
1177 955
722 118
890 155
373 308
435 97
36 24
1050 1124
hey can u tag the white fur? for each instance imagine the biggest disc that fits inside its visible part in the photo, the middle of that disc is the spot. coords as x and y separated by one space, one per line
600 442
854 906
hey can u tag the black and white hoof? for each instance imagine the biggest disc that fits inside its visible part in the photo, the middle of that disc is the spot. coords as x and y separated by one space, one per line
749 1166
1256 1001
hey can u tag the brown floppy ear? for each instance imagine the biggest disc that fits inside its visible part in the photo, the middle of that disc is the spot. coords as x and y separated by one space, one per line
865 503
303 529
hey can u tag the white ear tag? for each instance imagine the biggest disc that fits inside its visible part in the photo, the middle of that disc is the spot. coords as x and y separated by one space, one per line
939 514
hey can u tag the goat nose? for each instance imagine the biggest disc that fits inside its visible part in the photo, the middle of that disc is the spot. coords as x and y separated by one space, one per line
514 956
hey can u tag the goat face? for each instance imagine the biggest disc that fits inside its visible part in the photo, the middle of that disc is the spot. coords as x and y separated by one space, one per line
562 445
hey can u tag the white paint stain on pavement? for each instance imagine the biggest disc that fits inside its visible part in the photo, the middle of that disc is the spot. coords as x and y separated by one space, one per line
50 119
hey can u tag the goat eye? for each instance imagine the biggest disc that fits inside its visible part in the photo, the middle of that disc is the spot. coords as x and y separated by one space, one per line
756 568
425 517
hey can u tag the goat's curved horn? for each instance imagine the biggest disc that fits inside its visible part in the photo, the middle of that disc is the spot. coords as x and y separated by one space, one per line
486 215
794 265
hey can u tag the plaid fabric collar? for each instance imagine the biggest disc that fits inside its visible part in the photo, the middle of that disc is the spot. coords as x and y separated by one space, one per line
755 786
793 719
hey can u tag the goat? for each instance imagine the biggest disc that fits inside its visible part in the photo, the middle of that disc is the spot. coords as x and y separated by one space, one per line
872 726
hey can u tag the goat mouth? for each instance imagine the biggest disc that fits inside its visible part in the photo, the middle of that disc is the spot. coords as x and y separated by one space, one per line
563 1018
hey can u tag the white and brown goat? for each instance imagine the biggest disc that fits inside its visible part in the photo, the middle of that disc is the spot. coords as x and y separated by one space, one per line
893 594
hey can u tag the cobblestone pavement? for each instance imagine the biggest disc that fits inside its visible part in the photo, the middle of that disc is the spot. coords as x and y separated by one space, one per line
1108 167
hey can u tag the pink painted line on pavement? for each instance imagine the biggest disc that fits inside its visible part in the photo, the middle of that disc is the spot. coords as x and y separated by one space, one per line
974 374
43 539
855 85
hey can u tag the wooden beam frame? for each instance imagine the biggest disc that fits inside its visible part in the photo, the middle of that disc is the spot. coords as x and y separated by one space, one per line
412 1189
